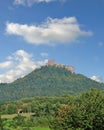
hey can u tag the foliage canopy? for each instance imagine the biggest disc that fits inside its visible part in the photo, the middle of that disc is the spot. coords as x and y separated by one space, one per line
47 81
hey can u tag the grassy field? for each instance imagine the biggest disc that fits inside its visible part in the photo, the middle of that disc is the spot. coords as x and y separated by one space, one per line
41 128
31 128
36 128
27 115
11 116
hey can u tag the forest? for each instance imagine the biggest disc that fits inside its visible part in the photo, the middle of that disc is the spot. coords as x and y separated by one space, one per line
47 81
84 111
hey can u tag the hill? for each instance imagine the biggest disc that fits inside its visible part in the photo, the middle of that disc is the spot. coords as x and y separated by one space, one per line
47 81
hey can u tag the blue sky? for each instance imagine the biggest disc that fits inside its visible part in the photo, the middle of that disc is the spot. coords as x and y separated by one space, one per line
68 31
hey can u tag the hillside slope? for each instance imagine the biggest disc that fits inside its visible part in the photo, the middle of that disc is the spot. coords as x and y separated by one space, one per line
47 81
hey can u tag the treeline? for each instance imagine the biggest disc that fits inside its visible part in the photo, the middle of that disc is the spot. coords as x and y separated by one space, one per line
47 81
40 106
82 112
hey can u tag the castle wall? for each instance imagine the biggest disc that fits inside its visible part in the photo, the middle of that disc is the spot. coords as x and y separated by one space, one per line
52 63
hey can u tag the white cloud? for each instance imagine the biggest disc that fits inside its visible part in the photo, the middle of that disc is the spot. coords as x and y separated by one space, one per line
7 64
52 31
31 2
96 78
18 65
44 54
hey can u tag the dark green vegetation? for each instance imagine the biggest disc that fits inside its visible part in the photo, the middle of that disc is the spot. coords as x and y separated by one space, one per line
41 109
82 112
86 113
47 81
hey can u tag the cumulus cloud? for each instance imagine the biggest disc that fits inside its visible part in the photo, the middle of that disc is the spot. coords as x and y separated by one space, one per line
56 30
31 2
96 78
18 65
7 64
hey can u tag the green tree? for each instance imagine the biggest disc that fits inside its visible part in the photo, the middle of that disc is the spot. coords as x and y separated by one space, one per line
86 113
1 124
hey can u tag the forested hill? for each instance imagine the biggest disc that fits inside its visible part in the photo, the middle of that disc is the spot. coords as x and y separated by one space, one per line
47 81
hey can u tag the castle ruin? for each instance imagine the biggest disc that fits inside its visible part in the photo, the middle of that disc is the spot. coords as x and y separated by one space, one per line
52 63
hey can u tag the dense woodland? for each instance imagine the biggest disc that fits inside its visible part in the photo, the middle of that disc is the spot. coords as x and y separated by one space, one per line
47 81
82 112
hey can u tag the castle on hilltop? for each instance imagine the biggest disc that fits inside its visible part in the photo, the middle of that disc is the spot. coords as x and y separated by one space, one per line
52 63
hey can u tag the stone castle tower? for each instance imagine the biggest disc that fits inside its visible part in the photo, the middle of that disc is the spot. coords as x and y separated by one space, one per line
52 63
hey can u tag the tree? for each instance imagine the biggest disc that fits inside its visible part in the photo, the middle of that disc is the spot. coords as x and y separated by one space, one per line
1 124
86 113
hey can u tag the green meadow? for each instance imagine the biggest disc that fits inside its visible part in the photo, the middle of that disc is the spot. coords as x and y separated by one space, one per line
41 128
